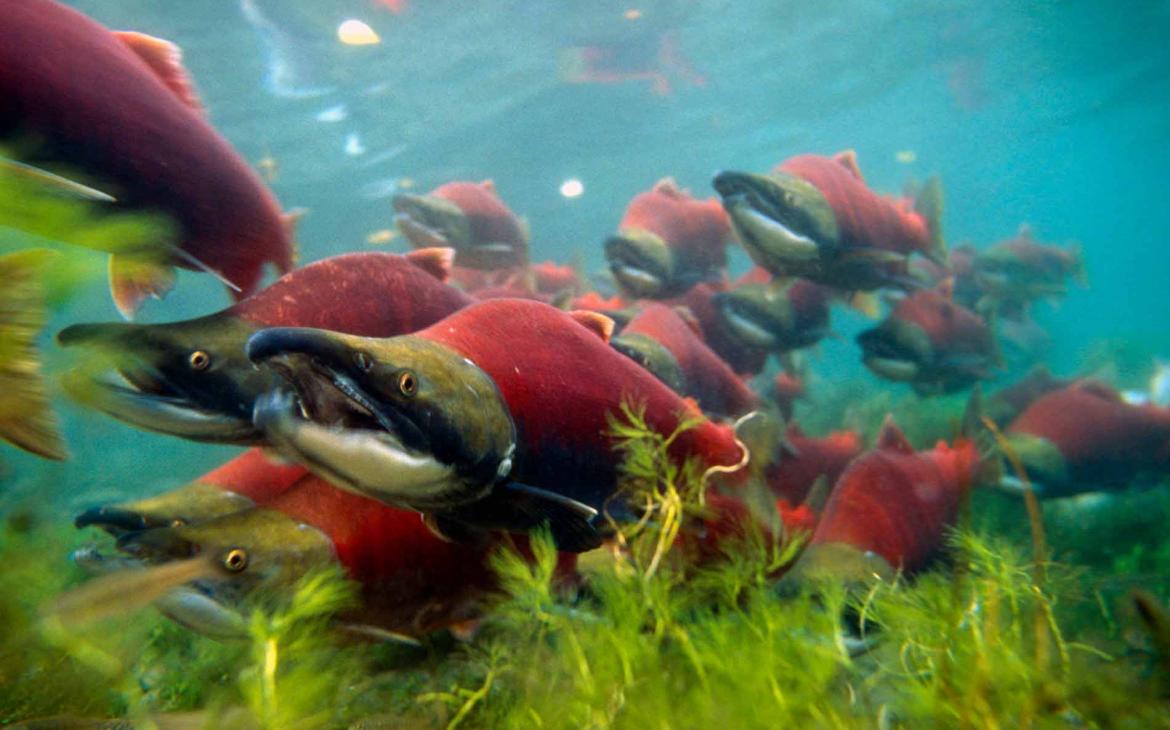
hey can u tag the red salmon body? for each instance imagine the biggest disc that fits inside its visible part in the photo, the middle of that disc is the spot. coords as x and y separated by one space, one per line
709 379
697 231
951 328
712 537
791 477
1105 441
373 294
865 219
254 475
94 105
412 581
898 503
552 278
489 218
561 380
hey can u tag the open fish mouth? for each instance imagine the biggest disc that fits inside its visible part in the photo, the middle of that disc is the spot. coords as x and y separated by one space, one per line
893 368
766 224
194 605
886 355
639 262
750 324
327 421
143 397
428 221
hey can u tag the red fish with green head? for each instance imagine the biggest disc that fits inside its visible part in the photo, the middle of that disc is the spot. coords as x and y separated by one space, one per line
667 242
702 301
932 343
1085 438
192 379
816 217
470 218
266 526
892 507
1021 269
496 417
669 344
118 109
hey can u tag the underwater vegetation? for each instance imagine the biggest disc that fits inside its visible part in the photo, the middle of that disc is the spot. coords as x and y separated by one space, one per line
998 635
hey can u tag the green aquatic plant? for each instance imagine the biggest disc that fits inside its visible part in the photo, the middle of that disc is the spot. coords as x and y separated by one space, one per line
293 678
982 640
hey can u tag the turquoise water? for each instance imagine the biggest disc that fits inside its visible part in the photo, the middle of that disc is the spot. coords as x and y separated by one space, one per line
1054 114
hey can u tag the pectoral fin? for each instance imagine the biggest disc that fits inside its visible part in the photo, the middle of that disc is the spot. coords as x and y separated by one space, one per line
516 507
132 280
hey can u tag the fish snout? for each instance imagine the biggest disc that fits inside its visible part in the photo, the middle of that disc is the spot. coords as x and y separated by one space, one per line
113 519
274 342
157 544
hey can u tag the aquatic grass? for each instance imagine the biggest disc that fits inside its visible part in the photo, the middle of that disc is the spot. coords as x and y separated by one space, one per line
293 676
975 642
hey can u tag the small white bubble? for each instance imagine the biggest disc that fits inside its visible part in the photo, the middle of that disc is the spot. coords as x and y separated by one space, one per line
572 188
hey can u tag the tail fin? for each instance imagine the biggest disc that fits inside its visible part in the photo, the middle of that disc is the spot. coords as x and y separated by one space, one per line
26 420
928 202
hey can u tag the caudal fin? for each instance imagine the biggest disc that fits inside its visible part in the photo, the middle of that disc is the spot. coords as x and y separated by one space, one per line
26 419
928 202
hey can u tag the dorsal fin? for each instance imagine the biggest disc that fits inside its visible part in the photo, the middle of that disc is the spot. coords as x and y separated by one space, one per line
488 185
848 160
668 186
165 59
688 317
436 261
891 438
598 323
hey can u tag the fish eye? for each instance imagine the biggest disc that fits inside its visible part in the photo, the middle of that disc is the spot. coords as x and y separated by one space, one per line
199 360
407 383
235 560
363 361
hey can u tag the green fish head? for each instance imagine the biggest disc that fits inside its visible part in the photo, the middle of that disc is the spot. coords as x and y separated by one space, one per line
784 222
641 263
654 357
255 554
403 419
758 315
896 350
428 221
188 379
190 504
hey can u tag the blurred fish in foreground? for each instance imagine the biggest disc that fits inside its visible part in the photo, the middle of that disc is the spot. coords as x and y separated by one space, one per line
120 109
25 417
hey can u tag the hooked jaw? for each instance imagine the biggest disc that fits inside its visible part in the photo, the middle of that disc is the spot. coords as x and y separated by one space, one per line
751 320
895 350
155 382
784 223
429 221
641 263
400 447
251 551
